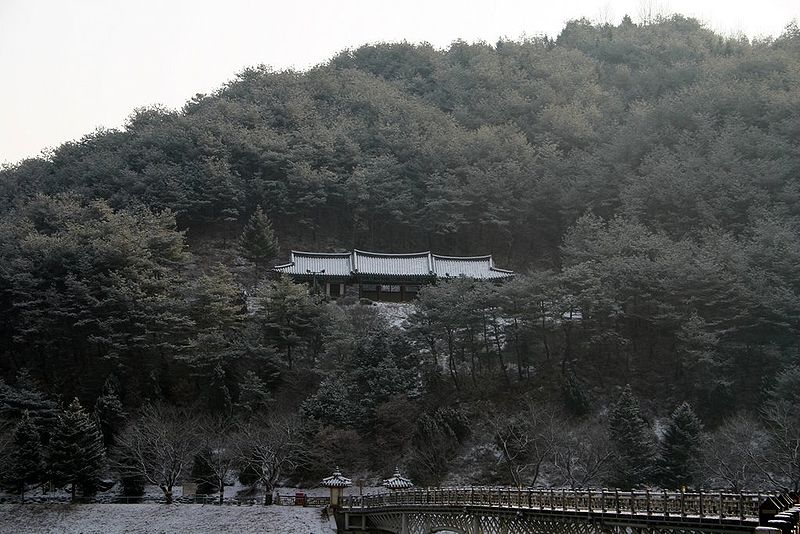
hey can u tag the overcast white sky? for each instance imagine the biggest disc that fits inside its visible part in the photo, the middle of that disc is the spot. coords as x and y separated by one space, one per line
70 66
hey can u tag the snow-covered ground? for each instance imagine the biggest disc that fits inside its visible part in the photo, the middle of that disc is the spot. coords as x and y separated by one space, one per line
161 519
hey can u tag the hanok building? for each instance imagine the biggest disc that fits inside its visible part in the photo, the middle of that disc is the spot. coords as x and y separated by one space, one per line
385 277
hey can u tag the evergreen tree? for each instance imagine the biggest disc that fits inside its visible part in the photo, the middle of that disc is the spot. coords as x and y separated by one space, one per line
76 450
26 396
133 483
258 240
288 317
109 412
680 449
218 396
254 394
634 450
575 398
25 462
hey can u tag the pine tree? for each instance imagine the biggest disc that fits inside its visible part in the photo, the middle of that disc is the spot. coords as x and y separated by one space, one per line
258 240
218 396
575 398
253 392
25 464
634 455
681 448
76 450
109 412
27 396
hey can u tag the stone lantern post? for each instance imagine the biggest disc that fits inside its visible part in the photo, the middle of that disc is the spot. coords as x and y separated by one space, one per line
336 483
397 481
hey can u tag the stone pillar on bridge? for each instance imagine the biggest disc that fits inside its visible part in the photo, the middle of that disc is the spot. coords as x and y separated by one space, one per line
476 524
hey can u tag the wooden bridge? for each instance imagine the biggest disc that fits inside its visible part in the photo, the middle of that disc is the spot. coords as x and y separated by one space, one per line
484 510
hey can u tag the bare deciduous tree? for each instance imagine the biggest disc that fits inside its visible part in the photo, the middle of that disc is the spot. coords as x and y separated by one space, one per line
581 455
158 446
730 451
780 462
269 446
526 441
217 438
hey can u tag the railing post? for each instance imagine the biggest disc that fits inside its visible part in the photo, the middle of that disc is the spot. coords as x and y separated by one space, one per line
589 500
666 504
530 504
741 506
683 503
603 500
472 495
633 503
563 499
700 496
721 509
647 501
616 499
552 500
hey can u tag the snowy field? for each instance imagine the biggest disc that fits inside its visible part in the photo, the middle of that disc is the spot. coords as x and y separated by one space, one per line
161 519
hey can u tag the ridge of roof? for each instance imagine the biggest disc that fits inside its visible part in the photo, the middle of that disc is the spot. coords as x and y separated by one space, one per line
392 254
443 257
306 253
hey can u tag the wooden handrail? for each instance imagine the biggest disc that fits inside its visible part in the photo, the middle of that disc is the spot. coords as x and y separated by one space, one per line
723 506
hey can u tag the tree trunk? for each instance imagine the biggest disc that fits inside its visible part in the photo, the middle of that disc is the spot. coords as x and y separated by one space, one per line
267 496
167 490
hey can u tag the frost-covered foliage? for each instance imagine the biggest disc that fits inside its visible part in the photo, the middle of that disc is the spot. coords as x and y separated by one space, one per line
76 456
681 449
633 462
640 179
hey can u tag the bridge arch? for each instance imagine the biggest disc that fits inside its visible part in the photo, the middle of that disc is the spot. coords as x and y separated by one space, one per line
446 530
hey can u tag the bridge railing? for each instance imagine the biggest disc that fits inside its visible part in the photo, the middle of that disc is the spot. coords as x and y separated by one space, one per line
701 505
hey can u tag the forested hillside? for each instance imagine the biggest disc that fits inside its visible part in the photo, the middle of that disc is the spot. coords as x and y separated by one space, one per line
643 179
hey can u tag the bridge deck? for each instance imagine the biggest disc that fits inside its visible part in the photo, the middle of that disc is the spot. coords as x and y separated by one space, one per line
709 512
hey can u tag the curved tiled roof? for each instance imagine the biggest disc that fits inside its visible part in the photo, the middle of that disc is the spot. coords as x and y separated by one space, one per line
397 481
377 264
337 480
415 264
334 264
471 266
